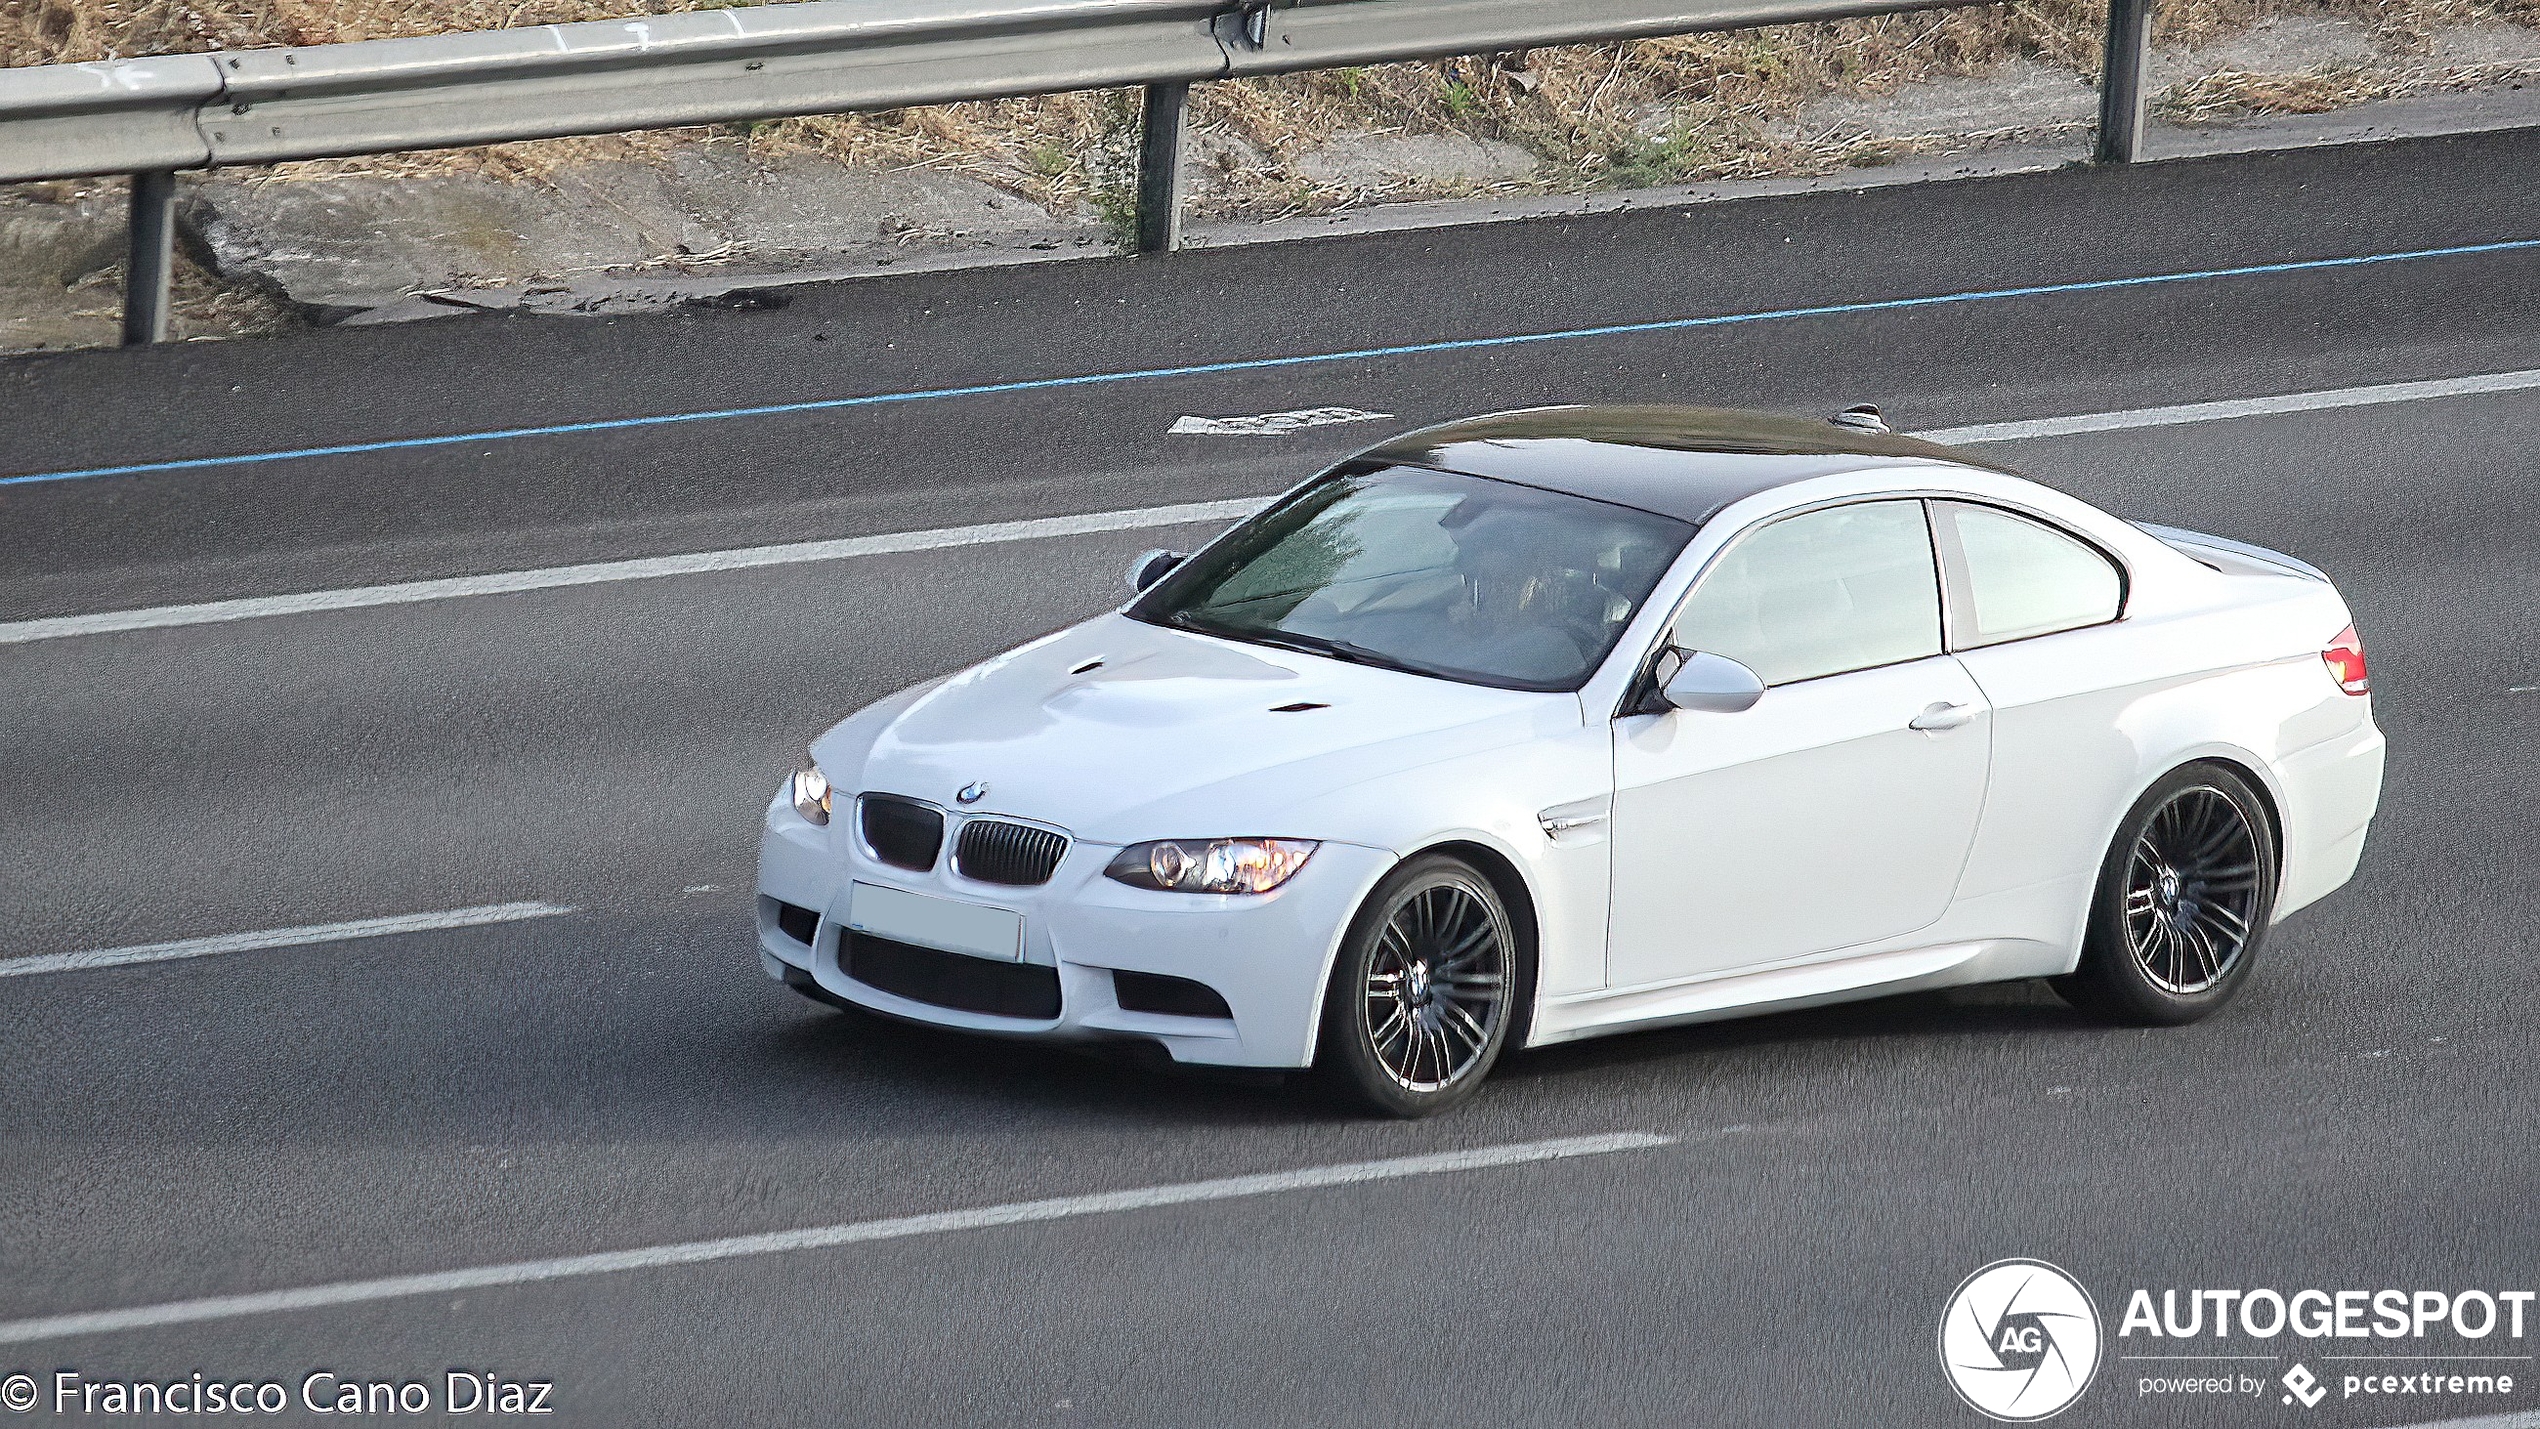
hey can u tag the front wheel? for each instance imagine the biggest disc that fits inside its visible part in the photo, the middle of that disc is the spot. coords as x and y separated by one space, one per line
1421 994
2182 905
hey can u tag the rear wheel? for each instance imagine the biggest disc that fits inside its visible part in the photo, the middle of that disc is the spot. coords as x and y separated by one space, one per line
2183 902
1422 993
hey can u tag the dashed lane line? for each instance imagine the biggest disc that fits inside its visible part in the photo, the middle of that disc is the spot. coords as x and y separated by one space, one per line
477 917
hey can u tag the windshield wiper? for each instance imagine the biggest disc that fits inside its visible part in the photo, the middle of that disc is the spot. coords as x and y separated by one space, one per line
1298 641
1326 646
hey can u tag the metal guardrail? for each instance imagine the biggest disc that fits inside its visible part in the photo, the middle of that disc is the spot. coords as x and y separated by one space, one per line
154 116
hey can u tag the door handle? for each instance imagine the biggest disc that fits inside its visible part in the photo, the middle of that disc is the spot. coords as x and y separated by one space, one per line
1940 714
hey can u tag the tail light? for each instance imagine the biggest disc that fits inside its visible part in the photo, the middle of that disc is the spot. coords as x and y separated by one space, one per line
2345 659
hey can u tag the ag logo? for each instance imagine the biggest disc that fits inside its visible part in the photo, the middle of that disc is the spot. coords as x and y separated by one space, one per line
2019 1340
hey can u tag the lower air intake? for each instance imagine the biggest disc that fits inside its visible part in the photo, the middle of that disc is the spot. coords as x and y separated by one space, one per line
955 980
1172 996
795 921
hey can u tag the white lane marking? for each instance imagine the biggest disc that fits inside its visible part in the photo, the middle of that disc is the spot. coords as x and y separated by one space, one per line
601 572
1270 424
412 592
280 938
2527 1419
223 1307
2192 412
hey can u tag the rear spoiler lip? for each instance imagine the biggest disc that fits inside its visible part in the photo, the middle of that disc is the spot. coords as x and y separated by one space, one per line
2180 536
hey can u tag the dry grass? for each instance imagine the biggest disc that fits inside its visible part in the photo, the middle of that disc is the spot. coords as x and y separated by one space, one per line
1654 111
2236 94
2230 94
200 304
53 31
1651 112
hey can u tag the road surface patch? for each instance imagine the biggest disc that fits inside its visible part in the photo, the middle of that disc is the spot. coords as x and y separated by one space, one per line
1260 364
215 612
1229 1188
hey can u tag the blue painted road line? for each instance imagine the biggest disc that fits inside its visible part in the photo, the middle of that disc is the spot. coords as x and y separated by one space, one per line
1257 364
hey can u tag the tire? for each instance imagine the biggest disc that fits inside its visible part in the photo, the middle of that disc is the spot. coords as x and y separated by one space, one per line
2182 903
1429 981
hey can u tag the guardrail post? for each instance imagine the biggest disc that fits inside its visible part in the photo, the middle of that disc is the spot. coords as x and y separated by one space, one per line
2121 96
1160 167
147 267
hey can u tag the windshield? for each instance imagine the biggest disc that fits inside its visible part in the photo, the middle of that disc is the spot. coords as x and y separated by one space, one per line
1431 572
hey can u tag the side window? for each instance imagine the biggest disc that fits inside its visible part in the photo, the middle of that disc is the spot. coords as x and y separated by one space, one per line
1841 589
2013 577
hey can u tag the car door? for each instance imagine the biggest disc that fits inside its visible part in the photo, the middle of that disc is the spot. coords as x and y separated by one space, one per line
2034 617
1838 810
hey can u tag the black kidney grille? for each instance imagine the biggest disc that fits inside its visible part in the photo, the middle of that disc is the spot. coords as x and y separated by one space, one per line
901 832
995 851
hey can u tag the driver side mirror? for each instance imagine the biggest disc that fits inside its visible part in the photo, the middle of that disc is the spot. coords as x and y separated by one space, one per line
1712 684
1153 566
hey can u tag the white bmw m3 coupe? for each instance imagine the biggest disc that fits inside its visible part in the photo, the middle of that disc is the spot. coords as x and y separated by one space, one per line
1577 720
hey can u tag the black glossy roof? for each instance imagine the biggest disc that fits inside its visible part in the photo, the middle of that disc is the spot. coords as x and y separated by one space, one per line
1685 462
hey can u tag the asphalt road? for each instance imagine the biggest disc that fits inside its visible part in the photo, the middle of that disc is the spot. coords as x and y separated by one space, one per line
621 1077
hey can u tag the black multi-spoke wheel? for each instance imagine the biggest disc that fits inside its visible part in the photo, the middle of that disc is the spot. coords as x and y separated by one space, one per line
1437 986
2191 888
1424 989
2182 903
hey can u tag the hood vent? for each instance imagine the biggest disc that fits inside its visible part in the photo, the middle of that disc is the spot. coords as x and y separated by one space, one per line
1299 707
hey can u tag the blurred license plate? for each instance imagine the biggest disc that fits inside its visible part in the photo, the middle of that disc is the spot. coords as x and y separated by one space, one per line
938 923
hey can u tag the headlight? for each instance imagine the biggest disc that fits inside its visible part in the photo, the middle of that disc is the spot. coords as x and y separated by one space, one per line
810 792
1210 865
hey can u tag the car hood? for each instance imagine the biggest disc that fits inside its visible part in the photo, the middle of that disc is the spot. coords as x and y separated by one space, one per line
1118 731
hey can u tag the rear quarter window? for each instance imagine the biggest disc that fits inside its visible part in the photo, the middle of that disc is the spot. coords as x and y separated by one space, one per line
2014 578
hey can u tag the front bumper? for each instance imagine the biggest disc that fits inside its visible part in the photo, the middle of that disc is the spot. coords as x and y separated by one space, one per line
1267 954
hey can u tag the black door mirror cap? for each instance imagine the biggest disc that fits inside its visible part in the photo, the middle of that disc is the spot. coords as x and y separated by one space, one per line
1153 566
